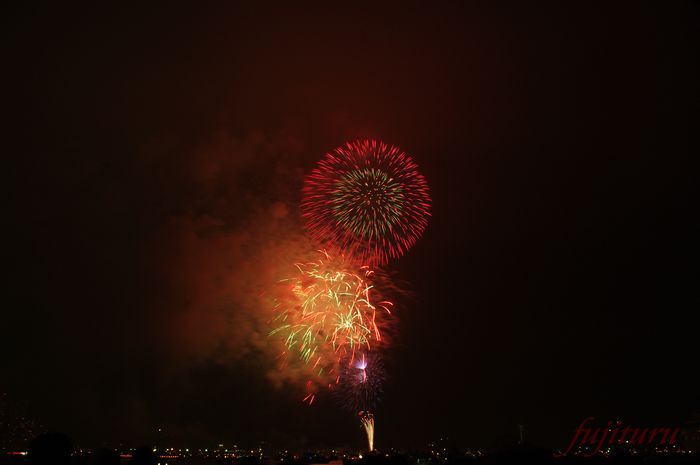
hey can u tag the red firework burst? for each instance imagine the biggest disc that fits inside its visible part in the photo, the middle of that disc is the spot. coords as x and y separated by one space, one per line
368 200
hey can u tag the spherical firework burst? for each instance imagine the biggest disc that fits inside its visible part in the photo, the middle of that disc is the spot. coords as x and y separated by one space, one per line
368 200
331 310
359 383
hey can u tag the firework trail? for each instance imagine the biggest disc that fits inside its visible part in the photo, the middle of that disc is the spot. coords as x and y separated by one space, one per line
330 310
359 384
359 388
368 200
367 420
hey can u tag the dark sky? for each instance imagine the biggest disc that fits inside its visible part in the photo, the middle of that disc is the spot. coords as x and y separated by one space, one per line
153 163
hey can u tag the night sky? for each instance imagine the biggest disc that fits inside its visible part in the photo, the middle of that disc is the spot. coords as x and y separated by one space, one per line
153 165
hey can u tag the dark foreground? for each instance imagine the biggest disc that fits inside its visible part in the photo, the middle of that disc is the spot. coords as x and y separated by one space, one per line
57 450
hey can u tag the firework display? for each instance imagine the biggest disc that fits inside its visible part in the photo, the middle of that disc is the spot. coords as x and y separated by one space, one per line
366 203
332 311
360 382
368 200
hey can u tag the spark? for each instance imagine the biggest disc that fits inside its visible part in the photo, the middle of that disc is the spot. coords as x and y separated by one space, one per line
330 310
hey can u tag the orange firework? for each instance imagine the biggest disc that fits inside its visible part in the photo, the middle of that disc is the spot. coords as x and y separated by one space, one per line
330 310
